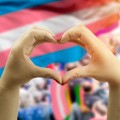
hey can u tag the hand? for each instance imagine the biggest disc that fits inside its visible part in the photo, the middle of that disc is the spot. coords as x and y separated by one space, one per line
103 66
19 68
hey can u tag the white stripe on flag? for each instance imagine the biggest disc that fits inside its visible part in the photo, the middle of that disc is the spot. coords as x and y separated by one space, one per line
59 24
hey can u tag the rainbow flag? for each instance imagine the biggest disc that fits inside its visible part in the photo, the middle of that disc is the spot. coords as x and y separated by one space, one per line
57 15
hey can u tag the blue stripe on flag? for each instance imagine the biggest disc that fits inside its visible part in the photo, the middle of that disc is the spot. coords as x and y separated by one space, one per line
1 71
67 55
8 6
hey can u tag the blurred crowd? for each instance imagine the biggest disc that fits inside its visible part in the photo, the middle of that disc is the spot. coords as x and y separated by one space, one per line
35 96
95 93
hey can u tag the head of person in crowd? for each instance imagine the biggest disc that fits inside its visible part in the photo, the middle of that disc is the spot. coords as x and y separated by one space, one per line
39 97
100 110
41 83
87 87
26 99
88 93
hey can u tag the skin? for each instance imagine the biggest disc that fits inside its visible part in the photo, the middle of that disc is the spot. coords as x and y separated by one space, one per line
19 70
103 66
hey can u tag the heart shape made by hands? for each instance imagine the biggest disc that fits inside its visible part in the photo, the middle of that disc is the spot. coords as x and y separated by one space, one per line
100 54
102 60
99 67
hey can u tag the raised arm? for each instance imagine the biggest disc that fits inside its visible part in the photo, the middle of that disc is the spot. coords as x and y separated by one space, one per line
19 70
103 66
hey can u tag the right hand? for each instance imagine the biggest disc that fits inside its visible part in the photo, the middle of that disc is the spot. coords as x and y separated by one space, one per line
104 66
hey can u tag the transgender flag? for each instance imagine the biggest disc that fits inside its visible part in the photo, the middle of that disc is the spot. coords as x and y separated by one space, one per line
57 15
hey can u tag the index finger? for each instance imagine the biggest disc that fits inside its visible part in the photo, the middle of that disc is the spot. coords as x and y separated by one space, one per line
33 37
84 37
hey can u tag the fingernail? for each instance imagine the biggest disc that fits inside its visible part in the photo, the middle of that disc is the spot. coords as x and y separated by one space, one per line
54 37
55 41
60 38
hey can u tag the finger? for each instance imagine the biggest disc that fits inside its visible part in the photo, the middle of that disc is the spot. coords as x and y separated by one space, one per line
43 36
48 73
43 72
77 73
36 34
32 38
43 28
83 36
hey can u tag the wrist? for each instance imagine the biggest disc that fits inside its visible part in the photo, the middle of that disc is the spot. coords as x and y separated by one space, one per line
4 84
114 77
114 102
115 81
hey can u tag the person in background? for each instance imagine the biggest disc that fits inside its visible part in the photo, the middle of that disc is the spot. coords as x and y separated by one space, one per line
100 111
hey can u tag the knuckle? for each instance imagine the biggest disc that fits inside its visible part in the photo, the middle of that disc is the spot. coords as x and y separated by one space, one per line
32 32
77 75
35 27
14 51
47 75
80 26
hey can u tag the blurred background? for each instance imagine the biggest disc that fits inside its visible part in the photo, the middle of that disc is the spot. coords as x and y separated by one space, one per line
44 99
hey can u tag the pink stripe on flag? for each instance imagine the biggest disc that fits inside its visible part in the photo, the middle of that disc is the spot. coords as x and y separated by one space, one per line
41 49
64 100
24 17
58 110
107 29
104 23
28 16
55 105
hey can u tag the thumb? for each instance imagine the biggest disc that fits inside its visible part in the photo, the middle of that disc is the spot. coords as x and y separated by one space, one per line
76 73
48 73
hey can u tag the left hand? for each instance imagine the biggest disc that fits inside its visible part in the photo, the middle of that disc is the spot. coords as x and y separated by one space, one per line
19 68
